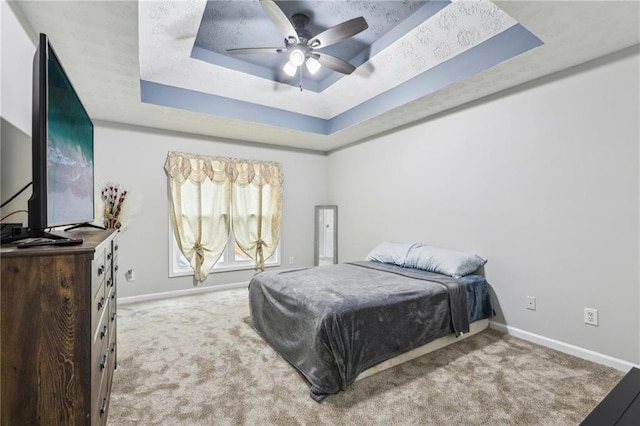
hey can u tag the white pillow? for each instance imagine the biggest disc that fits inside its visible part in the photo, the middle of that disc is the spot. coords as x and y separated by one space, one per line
453 263
394 253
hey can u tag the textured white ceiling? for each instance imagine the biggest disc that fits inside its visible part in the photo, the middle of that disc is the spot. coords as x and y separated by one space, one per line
98 42
238 24
163 59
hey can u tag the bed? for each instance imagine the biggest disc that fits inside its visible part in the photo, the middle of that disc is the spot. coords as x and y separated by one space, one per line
339 323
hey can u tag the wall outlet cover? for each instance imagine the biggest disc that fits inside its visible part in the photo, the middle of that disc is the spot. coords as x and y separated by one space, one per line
591 316
531 303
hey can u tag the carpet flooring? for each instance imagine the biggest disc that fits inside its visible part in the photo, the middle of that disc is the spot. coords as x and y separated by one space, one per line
194 360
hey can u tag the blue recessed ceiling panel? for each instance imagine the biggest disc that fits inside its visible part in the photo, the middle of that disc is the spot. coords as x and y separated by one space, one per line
240 24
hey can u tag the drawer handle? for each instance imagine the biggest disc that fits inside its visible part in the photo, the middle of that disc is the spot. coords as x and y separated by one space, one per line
116 268
103 332
108 256
113 347
100 270
101 303
103 406
109 282
113 296
116 247
103 363
113 316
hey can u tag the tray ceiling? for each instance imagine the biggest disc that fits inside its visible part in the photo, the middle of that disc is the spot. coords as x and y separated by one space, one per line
163 64
411 49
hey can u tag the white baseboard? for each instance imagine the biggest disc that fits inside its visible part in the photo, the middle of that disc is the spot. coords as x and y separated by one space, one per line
178 293
567 348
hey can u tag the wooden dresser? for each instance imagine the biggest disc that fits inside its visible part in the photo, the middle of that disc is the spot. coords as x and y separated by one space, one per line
58 331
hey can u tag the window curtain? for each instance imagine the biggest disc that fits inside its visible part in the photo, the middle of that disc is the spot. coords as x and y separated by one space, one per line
207 193
256 206
199 190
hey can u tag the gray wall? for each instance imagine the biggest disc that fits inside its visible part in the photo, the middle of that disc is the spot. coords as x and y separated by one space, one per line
134 158
543 181
15 173
16 55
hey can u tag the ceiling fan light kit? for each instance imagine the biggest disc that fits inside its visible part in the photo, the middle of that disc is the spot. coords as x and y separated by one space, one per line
313 66
290 69
301 46
296 57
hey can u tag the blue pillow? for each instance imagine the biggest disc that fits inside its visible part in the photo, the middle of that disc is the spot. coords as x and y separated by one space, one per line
394 253
453 263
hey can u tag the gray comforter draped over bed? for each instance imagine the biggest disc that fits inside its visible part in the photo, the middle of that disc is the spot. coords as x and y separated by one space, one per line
335 321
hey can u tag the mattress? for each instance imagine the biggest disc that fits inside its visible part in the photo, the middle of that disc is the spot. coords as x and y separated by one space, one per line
334 322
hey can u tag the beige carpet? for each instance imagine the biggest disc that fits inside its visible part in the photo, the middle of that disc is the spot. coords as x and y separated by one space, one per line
195 361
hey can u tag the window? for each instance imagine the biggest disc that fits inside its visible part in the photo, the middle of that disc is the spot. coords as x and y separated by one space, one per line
213 200
232 259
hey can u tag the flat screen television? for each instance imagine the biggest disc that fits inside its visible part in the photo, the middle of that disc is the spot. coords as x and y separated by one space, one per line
62 150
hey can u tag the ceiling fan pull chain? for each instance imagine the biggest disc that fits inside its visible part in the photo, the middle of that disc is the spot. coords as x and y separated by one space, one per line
300 69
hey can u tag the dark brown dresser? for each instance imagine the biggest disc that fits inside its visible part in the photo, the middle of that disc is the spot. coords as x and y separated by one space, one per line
58 331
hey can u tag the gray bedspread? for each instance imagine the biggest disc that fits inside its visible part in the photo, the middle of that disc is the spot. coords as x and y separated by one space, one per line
333 322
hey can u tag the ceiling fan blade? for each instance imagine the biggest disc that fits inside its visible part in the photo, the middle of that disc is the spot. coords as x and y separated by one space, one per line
339 32
253 50
333 63
279 19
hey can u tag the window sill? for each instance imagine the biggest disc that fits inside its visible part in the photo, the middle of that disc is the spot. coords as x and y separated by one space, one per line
216 270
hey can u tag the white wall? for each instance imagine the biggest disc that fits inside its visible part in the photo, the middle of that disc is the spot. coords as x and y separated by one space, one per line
134 158
16 52
542 181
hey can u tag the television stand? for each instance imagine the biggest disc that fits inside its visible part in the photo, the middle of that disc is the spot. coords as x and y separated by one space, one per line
85 225
32 233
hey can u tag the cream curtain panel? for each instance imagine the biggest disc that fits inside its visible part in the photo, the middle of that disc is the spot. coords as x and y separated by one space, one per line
205 192
199 190
256 206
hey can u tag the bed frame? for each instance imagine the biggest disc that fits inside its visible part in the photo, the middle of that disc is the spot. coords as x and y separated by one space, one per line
474 328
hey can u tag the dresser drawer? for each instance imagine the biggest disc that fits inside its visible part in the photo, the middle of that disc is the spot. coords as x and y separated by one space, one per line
114 245
112 360
101 403
112 314
99 366
98 307
101 332
108 257
98 268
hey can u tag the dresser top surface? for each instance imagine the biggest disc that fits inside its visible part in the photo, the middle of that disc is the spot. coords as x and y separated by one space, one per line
92 239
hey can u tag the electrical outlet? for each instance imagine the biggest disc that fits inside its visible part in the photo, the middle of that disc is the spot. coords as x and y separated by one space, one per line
591 316
130 275
531 303
292 260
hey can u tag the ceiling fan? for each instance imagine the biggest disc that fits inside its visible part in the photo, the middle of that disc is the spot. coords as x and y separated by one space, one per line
301 46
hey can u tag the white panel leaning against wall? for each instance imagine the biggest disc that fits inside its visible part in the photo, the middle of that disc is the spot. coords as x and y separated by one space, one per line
224 211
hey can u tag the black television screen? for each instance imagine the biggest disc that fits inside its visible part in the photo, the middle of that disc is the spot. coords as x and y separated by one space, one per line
69 151
62 153
62 147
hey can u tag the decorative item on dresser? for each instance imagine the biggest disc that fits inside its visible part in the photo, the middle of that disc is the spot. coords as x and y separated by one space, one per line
58 330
